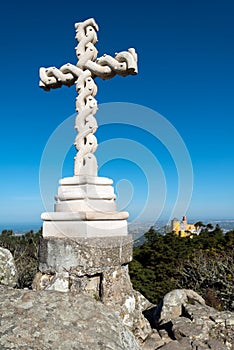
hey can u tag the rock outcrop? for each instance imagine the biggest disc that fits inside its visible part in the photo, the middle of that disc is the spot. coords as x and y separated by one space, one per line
54 320
8 271
184 322
101 310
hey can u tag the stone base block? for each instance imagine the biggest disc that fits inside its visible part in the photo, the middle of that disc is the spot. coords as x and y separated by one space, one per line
84 256
95 228
97 267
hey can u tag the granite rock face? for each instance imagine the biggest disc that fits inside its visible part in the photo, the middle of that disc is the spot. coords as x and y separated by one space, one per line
8 271
184 322
54 320
119 295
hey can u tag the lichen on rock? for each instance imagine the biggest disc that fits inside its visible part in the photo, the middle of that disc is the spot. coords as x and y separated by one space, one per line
63 321
8 271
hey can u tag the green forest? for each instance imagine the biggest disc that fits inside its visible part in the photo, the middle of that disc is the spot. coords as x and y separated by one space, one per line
204 263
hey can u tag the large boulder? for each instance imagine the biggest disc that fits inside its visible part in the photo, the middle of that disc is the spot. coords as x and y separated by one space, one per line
55 320
173 302
184 322
8 272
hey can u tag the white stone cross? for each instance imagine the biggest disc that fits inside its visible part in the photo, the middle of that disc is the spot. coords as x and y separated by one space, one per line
82 75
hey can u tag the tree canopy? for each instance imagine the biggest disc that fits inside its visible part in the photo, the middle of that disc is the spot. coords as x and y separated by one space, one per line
203 263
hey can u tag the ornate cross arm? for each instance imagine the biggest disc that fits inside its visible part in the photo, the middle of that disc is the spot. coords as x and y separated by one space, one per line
105 67
52 78
83 74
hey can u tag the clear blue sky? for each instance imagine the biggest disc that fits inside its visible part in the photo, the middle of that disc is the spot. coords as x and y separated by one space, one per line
186 73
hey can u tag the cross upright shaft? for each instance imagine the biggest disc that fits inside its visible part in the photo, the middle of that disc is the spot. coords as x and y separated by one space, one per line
82 75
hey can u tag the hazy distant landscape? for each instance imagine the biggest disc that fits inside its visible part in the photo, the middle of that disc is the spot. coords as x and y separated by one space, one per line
137 229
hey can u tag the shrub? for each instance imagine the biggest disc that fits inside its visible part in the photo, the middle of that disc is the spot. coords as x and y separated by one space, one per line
24 249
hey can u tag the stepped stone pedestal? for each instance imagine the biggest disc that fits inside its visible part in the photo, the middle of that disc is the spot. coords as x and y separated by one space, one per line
85 207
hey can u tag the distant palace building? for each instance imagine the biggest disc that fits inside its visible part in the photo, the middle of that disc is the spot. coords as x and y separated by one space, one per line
182 228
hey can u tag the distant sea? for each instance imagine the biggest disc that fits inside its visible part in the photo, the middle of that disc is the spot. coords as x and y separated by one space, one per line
20 228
